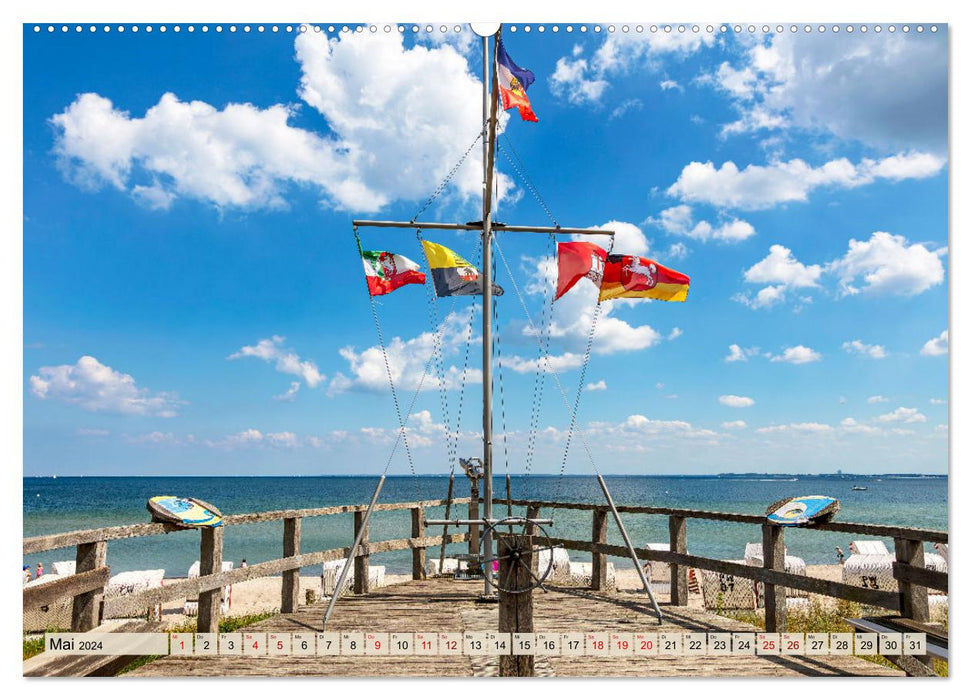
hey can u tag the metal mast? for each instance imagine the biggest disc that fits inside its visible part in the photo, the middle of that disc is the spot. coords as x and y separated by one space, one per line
489 104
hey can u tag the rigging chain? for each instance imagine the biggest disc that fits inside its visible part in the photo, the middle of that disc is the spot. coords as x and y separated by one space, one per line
520 169
448 177
549 365
451 439
394 393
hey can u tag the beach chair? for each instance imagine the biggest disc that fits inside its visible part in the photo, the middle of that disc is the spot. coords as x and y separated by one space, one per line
129 582
64 568
871 566
332 572
870 547
448 566
726 592
561 563
581 574
693 585
791 565
225 602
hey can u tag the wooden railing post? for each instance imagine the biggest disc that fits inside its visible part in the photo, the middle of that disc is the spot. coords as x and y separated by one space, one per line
516 609
678 534
913 598
418 553
532 512
210 562
598 573
774 557
361 561
290 598
86 609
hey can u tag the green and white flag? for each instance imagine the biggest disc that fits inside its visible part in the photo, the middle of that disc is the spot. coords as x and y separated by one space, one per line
386 271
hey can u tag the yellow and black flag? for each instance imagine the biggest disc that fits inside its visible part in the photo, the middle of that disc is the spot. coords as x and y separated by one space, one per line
452 274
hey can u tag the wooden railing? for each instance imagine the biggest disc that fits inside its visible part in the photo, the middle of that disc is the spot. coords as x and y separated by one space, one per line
908 569
86 587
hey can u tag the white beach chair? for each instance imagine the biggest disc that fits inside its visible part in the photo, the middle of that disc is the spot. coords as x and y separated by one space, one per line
129 582
791 565
448 566
871 547
693 585
226 601
581 574
332 571
726 592
64 568
560 570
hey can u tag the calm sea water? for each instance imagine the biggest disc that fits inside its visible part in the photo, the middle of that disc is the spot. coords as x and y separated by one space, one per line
77 503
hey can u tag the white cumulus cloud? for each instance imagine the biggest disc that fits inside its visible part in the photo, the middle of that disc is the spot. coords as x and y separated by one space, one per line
734 401
780 271
583 81
679 220
936 346
808 428
392 134
736 353
858 347
903 415
765 186
888 93
96 387
408 359
597 386
885 264
877 399
797 355
284 360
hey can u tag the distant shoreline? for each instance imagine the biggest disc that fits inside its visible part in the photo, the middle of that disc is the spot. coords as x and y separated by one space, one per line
775 476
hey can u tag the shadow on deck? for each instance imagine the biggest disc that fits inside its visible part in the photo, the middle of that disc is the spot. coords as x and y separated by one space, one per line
450 606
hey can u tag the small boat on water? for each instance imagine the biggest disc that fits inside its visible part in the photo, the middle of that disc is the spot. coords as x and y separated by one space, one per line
858 488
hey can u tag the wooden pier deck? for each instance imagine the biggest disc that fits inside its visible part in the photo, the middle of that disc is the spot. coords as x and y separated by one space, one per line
446 605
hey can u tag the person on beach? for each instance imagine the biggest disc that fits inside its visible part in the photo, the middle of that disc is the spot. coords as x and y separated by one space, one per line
26 574
243 564
839 555
40 570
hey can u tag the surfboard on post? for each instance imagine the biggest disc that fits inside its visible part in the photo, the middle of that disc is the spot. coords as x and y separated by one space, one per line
801 510
184 512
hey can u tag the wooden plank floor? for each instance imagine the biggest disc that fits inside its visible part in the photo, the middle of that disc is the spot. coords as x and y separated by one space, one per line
446 605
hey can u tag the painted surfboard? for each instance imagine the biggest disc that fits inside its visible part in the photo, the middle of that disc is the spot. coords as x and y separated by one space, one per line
187 512
801 510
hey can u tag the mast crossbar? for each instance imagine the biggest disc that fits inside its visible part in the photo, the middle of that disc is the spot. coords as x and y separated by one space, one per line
477 226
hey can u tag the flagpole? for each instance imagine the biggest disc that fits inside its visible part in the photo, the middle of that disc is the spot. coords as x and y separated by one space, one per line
487 175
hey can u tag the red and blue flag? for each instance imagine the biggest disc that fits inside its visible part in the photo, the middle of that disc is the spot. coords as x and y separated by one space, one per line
513 82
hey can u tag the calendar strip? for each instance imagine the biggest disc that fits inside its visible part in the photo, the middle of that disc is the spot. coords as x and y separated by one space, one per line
662 645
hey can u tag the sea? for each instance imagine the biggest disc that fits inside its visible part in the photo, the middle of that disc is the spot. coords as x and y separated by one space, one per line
62 504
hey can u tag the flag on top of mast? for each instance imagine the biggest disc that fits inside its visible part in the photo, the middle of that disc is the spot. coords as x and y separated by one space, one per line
513 82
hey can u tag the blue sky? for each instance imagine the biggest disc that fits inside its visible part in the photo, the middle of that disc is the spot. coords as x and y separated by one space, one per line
193 300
